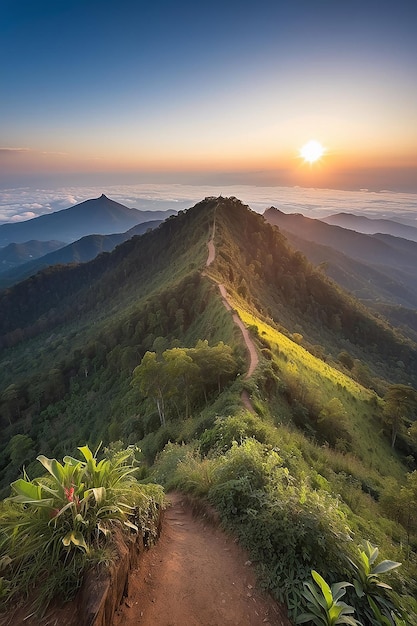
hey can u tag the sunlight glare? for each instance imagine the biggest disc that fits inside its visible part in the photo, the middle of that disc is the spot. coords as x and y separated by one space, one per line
312 151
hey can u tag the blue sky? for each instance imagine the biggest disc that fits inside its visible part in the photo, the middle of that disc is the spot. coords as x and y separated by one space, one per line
208 92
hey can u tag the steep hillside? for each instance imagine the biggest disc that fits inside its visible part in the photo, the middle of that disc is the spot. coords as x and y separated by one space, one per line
254 258
374 250
81 251
101 216
72 334
377 269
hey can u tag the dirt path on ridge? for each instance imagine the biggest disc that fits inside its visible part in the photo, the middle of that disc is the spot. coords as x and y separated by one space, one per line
211 248
195 575
253 354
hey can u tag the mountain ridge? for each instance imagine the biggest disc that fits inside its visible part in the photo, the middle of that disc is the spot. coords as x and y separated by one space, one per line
80 251
16 254
372 226
101 216
89 353
375 267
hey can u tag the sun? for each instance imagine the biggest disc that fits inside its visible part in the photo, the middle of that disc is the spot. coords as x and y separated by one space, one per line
312 151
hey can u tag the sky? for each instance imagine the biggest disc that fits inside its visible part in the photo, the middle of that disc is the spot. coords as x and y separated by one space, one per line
105 93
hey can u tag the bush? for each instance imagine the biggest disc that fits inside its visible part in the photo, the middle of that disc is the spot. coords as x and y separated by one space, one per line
55 526
286 526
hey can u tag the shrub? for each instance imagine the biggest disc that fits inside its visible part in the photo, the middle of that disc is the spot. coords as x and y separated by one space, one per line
56 525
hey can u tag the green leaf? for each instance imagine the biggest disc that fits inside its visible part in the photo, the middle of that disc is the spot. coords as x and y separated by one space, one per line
358 588
53 466
132 526
86 452
70 460
75 537
385 566
339 590
365 562
313 596
99 494
371 552
27 490
325 589
334 612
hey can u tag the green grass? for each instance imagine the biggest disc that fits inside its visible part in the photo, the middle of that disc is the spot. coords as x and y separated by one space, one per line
320 382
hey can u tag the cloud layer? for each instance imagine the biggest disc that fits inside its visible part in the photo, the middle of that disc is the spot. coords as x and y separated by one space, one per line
20 204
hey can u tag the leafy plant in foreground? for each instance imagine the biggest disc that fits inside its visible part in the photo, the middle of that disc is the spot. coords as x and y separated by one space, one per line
325 605
367 584
53 526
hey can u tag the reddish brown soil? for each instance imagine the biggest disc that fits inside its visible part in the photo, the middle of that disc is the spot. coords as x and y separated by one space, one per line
195 576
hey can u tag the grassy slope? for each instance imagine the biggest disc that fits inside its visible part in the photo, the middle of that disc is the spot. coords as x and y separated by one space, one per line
325 382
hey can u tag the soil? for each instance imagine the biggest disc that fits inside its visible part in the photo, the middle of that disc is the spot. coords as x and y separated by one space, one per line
196 575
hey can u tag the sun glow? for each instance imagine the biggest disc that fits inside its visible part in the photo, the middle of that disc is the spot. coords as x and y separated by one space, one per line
312 151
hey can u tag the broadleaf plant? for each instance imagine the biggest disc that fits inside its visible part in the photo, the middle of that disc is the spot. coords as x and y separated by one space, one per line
63 520
324 604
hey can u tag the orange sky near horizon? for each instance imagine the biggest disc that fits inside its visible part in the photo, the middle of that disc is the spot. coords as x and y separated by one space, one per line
226 92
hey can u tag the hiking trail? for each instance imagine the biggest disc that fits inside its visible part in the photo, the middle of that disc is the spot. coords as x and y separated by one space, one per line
195 575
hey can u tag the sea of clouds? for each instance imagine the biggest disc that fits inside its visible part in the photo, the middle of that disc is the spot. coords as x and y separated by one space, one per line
20 204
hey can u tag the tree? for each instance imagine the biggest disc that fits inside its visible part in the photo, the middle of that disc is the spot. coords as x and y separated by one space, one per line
216 363
183 374
151 378
21 449
332 421
10 402
401 503
400 402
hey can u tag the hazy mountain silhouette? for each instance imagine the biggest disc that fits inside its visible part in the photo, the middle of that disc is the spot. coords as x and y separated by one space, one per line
369 226
81 251
101 216
16 254
378 269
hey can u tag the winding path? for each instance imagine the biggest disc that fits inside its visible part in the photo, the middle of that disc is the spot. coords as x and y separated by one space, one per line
253 354
195 576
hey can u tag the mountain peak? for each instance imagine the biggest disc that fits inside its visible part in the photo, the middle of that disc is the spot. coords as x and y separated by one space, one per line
103 197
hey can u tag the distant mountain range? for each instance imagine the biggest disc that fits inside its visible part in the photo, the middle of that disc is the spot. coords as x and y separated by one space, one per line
18 253
378 269
372 226
81 251
101 216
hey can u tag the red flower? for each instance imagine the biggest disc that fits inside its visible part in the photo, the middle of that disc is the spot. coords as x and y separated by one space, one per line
69 494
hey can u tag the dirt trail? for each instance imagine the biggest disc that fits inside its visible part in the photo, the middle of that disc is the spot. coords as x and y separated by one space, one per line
195 576
211 248
253 354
